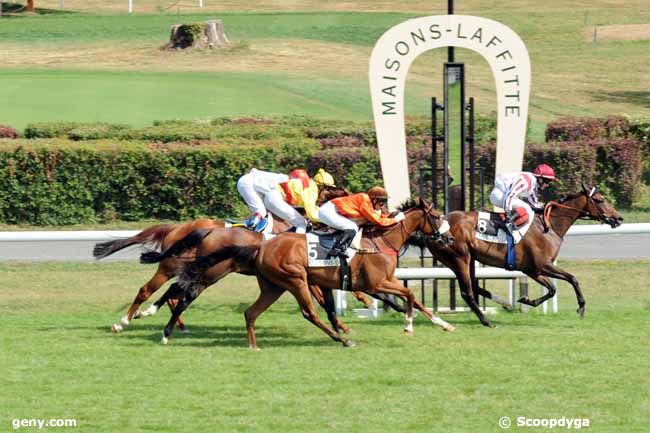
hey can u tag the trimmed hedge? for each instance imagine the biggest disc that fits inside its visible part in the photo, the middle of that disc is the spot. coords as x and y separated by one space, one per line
58 182
614 165
185 169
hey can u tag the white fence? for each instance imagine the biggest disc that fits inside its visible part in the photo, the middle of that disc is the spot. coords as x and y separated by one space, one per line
99 236
402 273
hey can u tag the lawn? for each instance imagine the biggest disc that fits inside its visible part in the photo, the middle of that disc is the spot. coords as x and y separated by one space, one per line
59 360
308 58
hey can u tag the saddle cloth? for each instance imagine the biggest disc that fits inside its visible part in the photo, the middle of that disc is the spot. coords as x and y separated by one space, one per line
488 228
319 246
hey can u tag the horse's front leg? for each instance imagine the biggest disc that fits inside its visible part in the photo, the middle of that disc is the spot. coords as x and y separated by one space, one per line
550 270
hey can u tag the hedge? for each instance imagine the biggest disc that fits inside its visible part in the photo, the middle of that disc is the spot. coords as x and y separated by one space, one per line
56 182
186 169
8 132
614 165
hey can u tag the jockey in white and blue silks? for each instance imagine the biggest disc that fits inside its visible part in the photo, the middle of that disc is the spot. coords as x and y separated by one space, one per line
254 187
510 188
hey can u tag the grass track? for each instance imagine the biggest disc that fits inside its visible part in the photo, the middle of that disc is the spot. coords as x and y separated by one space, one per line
59 360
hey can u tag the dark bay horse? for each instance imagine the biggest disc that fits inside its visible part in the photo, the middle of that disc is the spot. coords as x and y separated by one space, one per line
163 236
535 253
282 265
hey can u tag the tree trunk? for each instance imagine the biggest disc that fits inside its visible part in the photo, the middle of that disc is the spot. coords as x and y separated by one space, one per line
204 35
30 5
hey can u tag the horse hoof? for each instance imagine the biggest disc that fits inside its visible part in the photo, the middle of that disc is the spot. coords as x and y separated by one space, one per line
581 312
137 314
164 340
116 328
183 330
349 343
449 328
254 348
408 332
508 307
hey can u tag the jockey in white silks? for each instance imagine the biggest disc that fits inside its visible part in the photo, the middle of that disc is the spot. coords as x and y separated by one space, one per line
264 191
510 188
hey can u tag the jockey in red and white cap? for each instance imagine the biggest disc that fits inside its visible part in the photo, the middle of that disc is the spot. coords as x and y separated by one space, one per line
510 188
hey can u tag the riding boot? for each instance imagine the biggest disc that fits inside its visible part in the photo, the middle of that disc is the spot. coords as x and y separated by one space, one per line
342 243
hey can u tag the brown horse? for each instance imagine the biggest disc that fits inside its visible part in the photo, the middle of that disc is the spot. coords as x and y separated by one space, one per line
281 265
165 235
535 253
203 244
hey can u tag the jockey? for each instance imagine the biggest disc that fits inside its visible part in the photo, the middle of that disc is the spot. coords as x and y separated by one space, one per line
509 188
302 191
279 194
348 213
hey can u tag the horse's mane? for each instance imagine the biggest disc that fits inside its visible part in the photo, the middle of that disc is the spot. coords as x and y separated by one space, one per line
570 197
408 204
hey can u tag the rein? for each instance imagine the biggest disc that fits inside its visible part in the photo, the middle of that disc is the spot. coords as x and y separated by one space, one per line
546 220
403 232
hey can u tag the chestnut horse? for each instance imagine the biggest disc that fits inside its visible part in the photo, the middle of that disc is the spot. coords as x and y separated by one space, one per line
535 253
282 265
203 245
163 236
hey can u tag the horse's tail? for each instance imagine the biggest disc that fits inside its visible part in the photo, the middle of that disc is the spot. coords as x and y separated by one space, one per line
190 241
153 236
191 271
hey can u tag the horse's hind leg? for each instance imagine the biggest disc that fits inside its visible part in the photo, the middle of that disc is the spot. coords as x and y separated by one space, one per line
548 295
184 301
144 293
269 293
550 270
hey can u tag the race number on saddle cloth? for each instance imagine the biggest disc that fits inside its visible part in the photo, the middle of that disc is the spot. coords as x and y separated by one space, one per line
490 226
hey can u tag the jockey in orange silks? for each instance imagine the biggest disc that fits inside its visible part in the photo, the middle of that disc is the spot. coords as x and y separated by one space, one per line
348 213
510 188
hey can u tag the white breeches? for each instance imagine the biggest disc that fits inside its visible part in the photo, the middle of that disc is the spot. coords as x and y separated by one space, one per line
328 215
253 200
498 199
279 207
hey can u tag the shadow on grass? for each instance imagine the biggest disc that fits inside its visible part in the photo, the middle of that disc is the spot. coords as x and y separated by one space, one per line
640 98
220 336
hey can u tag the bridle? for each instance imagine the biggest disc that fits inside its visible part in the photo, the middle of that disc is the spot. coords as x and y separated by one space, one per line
584 215
437 235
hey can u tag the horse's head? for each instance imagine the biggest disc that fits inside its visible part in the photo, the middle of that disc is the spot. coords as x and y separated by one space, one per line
327 193
598 208
433 223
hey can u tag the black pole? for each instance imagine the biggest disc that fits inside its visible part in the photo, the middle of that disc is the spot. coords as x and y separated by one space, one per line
450 50
434 148
472 167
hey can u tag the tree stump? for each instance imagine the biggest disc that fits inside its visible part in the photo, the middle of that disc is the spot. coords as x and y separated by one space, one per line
210 34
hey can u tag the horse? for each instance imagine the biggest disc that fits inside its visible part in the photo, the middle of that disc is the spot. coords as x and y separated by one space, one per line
281 264
163 236
535 253
203 243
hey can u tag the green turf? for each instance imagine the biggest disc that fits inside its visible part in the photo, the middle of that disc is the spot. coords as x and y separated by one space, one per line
59 360
139 98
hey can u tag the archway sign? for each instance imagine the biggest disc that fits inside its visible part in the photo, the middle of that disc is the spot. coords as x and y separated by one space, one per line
391 59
